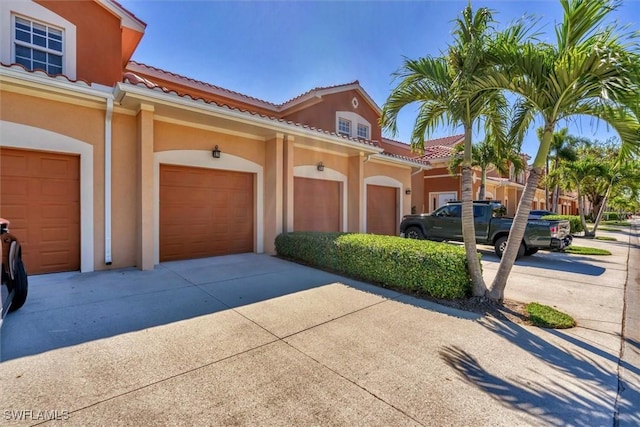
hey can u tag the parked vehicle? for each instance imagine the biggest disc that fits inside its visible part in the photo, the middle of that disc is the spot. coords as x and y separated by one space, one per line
13 282
537 214
492 228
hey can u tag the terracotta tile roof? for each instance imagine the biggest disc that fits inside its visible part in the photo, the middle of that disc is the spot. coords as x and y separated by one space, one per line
227 92
44 73
420 161
136 80
206 86
447 141
316 89
437 152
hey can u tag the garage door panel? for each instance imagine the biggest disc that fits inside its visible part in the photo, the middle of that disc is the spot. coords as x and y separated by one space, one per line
40 195
382 210
200 208
316 205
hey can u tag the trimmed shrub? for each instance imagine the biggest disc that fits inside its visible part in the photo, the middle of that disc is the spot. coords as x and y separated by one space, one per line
574 221
437 269
612 216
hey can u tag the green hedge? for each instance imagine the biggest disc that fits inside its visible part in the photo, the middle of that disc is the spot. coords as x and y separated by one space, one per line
613 216
437 269
574 220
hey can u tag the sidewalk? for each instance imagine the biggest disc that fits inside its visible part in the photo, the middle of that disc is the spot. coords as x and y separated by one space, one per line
255 340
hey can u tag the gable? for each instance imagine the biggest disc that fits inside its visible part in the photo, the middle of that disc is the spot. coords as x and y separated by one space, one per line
325 110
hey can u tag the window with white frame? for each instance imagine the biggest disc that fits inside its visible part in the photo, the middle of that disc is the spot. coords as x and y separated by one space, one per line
38 46
363 131
344 126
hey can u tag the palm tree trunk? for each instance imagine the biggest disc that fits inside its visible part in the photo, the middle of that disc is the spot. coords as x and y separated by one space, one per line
601 211
483 184
521 219
468 226
516 234
581 209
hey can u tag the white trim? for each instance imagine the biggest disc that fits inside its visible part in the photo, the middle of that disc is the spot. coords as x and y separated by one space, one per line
34 11
437 194
203 159
22 136
328 174
107 181
383 181
126 20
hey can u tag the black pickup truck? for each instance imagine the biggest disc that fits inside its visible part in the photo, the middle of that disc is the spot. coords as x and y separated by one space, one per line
492 228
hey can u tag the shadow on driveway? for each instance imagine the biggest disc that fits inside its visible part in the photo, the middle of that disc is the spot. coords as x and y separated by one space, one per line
556 261
540 399
66 309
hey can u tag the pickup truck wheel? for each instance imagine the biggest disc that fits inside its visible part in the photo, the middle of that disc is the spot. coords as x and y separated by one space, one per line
501 245
20 286
414 233
531 251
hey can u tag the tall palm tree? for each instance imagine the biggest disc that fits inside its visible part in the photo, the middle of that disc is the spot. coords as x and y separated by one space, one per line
591 70
487 154
441 87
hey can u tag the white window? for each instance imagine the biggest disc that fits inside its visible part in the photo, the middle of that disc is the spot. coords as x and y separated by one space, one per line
38 46
363 131
344 127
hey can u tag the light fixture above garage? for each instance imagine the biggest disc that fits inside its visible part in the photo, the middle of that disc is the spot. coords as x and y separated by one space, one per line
216 152
320 166
407 191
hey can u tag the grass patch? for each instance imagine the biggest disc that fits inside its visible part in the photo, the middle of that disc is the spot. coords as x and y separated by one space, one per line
612 239
582 250
619 223
544 316
608 229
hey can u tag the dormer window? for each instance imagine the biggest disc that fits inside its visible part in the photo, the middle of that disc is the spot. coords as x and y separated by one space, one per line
344 126
38 46
363 131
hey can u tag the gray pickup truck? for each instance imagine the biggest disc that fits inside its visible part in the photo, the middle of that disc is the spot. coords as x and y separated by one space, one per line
492 228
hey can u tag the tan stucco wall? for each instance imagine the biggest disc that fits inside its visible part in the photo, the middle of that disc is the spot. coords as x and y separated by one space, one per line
169 136
303 157
84 123
123 196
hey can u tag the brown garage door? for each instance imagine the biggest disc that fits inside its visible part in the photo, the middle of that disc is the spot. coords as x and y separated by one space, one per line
316 205
40 195
382 208
204 212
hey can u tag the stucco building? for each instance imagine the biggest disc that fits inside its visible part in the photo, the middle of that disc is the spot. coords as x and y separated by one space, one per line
107 163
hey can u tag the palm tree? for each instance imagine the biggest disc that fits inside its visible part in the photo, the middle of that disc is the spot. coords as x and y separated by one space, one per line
488 154
561 149
592 70
441 87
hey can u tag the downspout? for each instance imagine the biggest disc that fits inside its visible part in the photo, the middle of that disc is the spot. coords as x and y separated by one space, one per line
107 181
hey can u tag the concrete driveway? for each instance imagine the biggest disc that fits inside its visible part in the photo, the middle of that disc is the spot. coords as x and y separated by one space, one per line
255 340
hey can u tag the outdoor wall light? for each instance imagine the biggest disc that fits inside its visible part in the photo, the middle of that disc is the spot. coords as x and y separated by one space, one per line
320 166
216 152
407 191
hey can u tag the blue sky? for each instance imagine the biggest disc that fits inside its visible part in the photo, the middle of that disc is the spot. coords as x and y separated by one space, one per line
276 50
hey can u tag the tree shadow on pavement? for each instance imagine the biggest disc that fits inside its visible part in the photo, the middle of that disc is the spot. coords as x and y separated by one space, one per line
583 392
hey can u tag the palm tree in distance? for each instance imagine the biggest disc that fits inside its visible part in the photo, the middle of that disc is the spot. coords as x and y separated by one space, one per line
486 155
